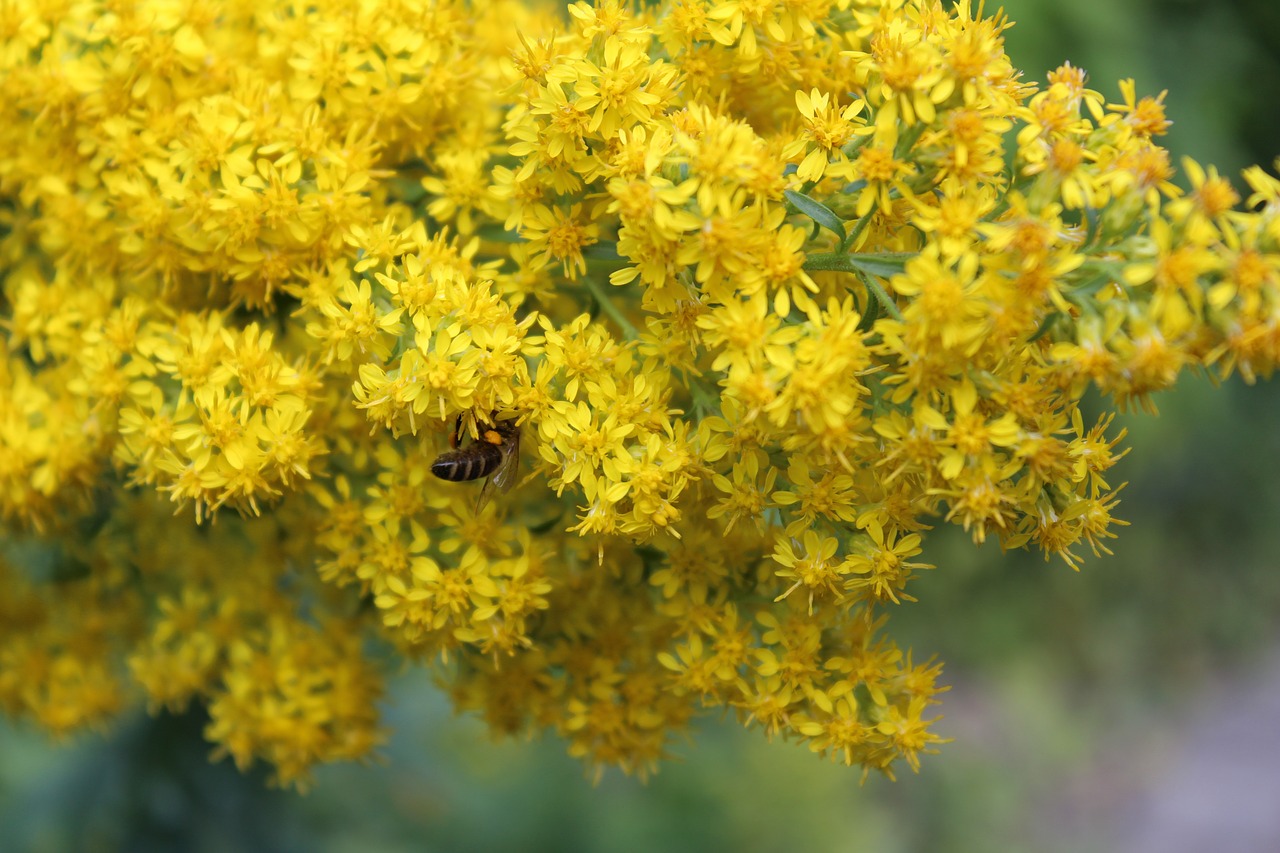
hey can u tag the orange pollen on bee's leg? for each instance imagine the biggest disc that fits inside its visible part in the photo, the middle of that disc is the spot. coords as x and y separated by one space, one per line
492 436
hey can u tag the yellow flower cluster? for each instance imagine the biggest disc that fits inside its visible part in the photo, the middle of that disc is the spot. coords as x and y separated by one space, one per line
754 293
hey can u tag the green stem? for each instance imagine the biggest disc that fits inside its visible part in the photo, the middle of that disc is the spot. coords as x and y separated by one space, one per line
629 331
857 231
705 401
907 140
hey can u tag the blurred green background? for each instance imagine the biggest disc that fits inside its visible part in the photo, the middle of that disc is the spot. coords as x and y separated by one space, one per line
1079 702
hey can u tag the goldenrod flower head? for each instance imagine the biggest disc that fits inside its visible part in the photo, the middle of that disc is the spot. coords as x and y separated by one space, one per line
754 293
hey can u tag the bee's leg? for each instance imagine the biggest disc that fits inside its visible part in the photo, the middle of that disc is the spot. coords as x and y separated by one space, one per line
483 497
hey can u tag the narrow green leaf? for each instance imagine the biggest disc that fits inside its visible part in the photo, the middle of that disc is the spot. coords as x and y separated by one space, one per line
870 315
881 295
1046 326
817 211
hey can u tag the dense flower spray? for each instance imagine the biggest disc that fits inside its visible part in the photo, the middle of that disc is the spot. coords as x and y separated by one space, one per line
770 288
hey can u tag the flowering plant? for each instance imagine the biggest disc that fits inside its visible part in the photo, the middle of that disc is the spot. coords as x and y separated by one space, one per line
757 292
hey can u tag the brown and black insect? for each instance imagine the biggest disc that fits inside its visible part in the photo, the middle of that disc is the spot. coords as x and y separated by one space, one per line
495 455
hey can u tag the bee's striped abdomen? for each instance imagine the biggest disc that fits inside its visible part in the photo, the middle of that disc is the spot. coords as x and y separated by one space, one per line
476 460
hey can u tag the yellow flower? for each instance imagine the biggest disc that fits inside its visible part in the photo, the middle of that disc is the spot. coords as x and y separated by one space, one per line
810 562
621 90
588 443
908 732
354 325
910 77
744 495
560 235
1176 271
884 175
828 127
953 218
946 303
882 570
1145 116
831 495
969 435
838 730
462 190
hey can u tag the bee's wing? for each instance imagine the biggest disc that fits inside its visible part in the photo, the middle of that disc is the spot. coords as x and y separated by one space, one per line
505 475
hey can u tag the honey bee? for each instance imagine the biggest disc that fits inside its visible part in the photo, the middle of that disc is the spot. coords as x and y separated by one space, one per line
495 455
